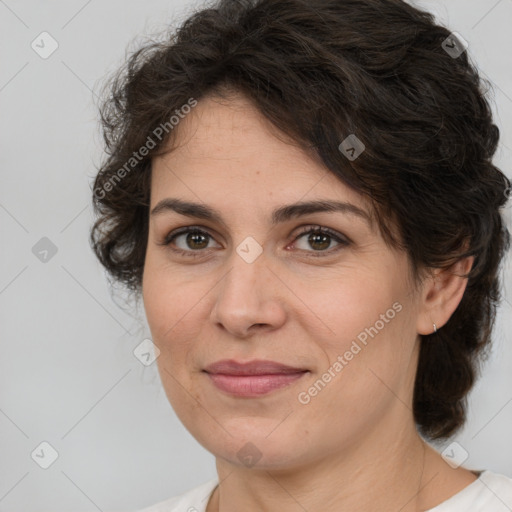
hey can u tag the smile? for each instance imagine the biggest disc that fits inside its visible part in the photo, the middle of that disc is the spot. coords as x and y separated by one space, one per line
251 386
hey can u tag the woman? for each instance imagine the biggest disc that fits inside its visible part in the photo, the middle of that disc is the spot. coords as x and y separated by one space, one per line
303 194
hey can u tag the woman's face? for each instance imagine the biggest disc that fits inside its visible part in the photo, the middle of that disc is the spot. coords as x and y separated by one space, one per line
253 286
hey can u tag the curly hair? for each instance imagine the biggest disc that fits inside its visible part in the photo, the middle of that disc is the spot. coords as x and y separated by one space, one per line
321 70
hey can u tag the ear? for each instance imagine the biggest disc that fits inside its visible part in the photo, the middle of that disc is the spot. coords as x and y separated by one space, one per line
441 294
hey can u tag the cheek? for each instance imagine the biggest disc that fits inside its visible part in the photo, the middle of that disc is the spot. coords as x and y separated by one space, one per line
163 313
348 305
171 311
177 310
367 338
169 296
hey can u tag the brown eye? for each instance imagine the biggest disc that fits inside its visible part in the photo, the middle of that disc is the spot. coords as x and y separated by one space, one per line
188 241
196 240
319 239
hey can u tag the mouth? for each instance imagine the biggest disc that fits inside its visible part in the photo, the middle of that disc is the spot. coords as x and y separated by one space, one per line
252 379
254 367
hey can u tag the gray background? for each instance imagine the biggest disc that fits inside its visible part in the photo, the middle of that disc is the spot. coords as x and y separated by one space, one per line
67 369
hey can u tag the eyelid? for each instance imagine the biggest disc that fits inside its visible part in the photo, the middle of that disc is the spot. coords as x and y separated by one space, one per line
185 229
340 238
317 228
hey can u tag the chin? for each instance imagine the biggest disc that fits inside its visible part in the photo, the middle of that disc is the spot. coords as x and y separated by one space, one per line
255 443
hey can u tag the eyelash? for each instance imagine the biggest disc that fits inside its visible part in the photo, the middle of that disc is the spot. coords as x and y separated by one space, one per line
342 241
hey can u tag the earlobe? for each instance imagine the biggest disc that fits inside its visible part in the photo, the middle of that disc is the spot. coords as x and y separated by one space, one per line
442 293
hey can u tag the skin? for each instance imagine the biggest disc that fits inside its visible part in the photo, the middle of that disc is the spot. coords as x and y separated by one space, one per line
355 443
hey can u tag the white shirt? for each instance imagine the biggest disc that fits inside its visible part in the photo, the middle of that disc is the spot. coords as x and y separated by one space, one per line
491 492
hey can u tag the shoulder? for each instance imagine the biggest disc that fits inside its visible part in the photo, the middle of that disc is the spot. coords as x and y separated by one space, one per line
193 500
490 492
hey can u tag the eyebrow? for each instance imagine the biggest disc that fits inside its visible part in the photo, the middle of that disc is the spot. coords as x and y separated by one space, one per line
281 214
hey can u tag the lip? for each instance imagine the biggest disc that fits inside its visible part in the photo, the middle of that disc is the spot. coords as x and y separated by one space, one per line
252 379
254 367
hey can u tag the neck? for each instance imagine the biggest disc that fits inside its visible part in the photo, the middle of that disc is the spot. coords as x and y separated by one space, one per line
391 469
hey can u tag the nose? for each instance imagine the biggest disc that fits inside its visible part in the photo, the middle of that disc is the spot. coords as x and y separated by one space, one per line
250 298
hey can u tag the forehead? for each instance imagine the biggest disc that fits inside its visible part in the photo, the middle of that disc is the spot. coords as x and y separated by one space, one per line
225 152
232 130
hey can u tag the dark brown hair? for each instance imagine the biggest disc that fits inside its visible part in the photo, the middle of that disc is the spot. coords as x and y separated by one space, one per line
321 70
